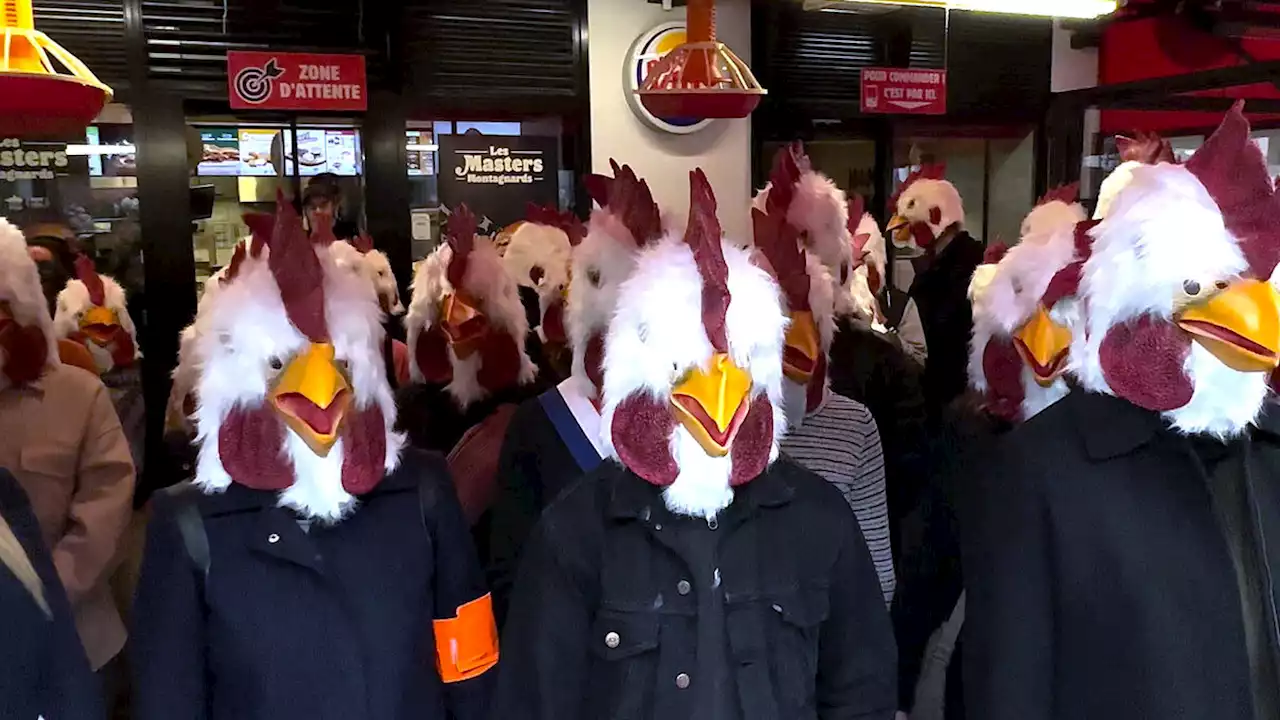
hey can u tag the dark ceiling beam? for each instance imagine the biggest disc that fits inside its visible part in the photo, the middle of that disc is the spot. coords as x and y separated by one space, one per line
1195 104
1157 88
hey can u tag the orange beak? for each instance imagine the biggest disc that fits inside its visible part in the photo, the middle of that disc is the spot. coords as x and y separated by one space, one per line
711 404
1043 345
99 324
899 228
463 323
800 356
1240 325
312 394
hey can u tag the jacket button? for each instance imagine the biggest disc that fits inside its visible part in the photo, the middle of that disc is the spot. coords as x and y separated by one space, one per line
612 640
683 587
682 680
273 538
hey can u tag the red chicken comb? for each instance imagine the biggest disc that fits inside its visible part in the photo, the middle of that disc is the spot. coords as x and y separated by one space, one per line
598 188
632 203
857 208
779 242
1063 193
995 252
460 232
928 171
1146 148
363 243
237 260
1066 282
1234 171
260 225
703 238
551 216
802 157
782 181
88 274
298 273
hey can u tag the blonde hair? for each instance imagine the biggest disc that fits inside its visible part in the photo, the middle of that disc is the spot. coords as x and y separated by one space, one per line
15 558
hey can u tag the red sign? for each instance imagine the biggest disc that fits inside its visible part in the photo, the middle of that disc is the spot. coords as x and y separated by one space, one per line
903 91
296 81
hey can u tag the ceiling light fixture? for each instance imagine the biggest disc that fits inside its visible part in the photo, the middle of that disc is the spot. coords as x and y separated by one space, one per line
1076 9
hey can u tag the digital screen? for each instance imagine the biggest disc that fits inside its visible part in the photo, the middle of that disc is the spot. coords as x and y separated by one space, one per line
221 152
255 151
92 139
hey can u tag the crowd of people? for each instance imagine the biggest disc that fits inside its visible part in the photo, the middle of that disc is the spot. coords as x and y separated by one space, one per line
636 467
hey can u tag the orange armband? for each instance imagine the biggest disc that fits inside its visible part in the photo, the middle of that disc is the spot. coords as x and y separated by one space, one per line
467 645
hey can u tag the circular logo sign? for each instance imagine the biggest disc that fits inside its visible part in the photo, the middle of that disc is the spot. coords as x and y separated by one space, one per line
647 50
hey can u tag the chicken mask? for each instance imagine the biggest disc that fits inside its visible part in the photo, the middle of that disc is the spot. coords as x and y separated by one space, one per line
537 257
374 265
466 326
1025 311
91 311
292 390
693 366
1142 149
1182 317
924 208
27 341
869 260
626 222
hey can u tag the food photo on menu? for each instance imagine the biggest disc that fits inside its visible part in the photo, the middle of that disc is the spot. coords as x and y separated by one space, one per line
342 152
311 151
255 151
221 152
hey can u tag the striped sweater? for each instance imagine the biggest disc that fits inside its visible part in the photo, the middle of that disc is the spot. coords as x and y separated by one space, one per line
840 442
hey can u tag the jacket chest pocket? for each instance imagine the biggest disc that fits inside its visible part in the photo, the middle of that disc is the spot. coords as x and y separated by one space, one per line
625 648
779 633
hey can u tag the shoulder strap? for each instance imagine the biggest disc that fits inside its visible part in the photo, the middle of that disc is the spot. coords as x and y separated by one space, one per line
186 513
583 452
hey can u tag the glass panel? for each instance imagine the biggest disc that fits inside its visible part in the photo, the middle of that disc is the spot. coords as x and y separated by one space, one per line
1012 187
965 159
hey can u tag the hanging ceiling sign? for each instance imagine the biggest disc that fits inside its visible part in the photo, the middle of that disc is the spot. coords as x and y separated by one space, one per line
296 81
645 52
497 177
904 92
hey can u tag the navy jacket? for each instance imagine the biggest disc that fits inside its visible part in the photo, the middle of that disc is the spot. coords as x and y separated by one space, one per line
623 610
330 624
43 669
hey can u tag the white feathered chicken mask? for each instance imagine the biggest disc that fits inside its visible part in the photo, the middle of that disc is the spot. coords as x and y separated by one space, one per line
537 257
1025 311
1182 316
1142 149
466 326
28 346
374 265
693 366
292 392
627 221
925 206
91 311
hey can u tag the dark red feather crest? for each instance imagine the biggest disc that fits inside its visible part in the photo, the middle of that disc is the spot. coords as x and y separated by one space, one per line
995 252
323 235
87 274
631 202
363 243
779 241
460 233
551 216
1146 148
1063 193
1234 171
782 180
298 273
857 208
260 225
1066 282
598 188
237 260
929 171
703 238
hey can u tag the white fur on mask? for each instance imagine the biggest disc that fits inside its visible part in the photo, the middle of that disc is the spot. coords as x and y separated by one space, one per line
20 287
601 262
916 203
539 246
238 333
74 301
375 268
657 335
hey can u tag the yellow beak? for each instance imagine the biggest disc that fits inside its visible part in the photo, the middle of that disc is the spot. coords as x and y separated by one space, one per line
711 404
900 229
1240 325
800 356
98 324
312 394
463 323
1043 345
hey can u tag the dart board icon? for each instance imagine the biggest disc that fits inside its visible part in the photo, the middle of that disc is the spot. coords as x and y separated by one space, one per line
254 84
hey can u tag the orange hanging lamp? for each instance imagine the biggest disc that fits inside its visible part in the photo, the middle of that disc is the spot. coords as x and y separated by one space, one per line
701 78
45 91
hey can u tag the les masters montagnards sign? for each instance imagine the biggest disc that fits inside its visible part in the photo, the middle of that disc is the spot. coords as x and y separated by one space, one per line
498 176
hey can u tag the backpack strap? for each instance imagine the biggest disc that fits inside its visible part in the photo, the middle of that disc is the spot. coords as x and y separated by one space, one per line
183 498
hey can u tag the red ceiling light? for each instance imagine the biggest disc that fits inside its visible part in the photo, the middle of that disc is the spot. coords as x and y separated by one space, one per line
45 91
701 78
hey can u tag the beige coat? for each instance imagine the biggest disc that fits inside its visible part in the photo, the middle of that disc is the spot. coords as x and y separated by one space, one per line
61 438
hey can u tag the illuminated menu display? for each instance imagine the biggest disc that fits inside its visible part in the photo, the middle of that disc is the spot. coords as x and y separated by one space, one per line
259 151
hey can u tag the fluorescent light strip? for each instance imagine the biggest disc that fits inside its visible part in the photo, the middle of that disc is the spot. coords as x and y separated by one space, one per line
412 147
101 150
1078 9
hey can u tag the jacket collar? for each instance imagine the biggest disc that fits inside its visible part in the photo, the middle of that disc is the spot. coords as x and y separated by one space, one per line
632 498
239 499
1111 427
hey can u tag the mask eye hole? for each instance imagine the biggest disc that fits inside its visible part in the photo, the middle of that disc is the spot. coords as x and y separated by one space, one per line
1191 288
1221 284
911 204
593 276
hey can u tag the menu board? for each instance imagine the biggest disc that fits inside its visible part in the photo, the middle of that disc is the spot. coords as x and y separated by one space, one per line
255 151
421 162
342 152
312 156
221 152
93 138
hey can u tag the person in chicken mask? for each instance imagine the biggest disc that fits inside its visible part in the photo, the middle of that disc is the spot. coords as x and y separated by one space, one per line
698 573
315 568
1118 549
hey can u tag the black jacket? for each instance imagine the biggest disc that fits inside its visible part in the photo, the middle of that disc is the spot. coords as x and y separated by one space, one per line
43 669
623 610
941 292
334 623
1100 579
432 420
